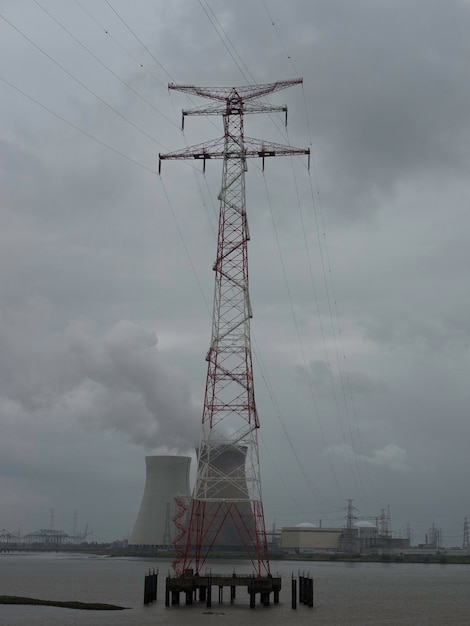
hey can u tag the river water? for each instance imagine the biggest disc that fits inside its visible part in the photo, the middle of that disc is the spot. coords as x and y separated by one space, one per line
345 594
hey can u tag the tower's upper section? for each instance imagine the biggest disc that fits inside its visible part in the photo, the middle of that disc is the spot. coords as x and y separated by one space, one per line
245 92
234 102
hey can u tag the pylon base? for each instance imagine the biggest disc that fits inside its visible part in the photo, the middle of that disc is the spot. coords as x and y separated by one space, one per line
197 589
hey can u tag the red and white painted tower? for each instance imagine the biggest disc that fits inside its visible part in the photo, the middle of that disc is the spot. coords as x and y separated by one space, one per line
226 506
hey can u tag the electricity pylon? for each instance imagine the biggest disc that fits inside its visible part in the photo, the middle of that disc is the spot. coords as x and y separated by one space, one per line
466 542
226 507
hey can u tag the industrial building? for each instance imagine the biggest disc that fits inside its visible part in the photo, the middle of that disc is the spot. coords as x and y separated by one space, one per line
47 537
305 538
363 538
167 478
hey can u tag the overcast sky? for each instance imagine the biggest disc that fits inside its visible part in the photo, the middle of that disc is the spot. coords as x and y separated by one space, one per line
358 268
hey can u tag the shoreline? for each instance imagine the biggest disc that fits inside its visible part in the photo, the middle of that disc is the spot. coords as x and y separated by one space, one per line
440 557
71 604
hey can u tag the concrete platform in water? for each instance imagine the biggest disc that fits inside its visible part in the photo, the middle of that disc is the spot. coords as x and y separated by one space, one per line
199 588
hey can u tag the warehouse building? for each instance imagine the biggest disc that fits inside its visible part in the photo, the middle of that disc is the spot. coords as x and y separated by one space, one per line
308 538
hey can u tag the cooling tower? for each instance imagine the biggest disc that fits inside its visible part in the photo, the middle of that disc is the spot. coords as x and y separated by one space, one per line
230 516
166 477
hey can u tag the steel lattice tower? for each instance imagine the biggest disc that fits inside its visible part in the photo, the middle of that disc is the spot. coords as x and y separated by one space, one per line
466 542
227 494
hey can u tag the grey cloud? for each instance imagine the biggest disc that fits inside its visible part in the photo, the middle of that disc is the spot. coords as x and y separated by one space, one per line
98 254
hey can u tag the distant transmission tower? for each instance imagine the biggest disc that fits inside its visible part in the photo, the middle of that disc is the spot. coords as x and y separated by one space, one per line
383 524
349 535
350 517
409 534
465 543
75 527
227 494
167 530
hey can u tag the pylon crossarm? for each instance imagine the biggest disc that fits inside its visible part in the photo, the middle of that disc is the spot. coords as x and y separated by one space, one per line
207 150
246 92
217 149
218 109
260 148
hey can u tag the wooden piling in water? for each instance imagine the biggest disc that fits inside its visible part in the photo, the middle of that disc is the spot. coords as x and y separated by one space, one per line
294 593
150 587
167 591
252 593
306 590
202 593
310 593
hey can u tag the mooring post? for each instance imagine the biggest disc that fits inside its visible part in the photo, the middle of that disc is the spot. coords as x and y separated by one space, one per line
265 598
294 593
167 591
146 579
252 593
310 593
150 587
252 598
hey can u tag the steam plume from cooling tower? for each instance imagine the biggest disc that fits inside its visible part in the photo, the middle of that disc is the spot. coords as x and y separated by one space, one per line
117 380
126 386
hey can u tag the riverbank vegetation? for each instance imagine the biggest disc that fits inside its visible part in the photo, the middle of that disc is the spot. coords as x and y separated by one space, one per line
88 606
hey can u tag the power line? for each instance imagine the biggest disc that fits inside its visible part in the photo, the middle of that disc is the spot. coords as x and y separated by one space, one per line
95 95
309 381
92 137
77 128
107 32
355 472
213 20
273 24
139 40
216 24
92 54
315 492
134 34
342 375
357 478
